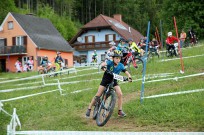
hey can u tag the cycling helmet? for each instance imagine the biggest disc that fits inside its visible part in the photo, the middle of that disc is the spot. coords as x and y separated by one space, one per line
122 40
130 39
45 56
117 53
58 52
169 34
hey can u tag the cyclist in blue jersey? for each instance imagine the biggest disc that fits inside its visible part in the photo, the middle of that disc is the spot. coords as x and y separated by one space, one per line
116 67
123 47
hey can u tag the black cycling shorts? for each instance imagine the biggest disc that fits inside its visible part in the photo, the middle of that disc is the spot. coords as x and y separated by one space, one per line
107 78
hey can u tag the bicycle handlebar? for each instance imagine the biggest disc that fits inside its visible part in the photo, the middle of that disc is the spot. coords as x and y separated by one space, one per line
116 76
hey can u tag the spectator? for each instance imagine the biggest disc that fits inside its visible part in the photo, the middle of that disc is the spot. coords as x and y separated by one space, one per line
18 66
191 36
182 38
26 67
30 63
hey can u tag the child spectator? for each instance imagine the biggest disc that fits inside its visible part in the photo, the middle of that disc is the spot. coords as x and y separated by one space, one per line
30 63
18 66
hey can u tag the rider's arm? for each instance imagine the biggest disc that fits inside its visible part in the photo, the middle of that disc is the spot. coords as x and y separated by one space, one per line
129 76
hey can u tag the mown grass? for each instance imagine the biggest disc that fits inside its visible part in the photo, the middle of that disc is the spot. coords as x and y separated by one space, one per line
51 111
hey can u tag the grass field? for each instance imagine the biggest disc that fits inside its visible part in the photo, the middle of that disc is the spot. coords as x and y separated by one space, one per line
52 111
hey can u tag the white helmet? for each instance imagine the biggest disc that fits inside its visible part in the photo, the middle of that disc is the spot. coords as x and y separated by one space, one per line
169 34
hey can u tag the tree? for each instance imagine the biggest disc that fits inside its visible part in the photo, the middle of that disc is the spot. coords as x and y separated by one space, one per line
5 7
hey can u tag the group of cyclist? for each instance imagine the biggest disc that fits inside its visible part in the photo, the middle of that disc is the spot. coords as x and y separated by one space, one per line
116 53
58 62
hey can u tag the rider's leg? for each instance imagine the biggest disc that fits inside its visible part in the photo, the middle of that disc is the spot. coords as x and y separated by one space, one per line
98 94
120 94
57 66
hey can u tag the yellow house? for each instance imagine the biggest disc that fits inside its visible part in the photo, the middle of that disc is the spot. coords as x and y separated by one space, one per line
24 36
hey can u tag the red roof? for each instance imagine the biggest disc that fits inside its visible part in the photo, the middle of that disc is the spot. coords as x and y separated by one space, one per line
118 26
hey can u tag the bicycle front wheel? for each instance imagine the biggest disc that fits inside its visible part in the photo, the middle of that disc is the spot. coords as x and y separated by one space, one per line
106 109
136 66
41 71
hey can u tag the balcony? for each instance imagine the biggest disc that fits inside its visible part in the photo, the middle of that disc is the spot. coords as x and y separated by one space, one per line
91 46
5 50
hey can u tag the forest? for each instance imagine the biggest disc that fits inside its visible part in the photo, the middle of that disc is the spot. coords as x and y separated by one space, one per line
68 16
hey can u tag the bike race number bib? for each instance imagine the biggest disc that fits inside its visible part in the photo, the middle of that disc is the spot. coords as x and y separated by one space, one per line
118 77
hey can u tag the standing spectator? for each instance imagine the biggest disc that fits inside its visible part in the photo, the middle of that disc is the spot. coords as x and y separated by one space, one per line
182 38
18 66
191 36
30 63
26 67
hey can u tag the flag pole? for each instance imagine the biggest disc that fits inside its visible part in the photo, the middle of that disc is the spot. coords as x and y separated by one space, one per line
180 52
145 61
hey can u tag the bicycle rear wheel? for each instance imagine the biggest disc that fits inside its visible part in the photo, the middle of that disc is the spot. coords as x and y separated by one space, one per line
106 109
138 69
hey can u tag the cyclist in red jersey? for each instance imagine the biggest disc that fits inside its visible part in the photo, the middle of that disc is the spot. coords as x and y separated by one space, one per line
170 42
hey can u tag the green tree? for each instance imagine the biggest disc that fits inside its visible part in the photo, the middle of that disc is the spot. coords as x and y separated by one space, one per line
5 7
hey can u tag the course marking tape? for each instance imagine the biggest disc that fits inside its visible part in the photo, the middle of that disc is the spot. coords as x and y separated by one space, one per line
175 93
182 57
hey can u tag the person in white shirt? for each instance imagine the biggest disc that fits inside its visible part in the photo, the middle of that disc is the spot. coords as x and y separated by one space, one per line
30 63
18 66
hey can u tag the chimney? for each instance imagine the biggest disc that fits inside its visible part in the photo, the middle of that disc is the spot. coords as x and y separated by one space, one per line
118 17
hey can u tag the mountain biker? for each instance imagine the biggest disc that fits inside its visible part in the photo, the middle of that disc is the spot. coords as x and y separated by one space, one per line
123 47
154 45
58 61
116 67
170 42
109 52
45 62
134 49
142 46
94 57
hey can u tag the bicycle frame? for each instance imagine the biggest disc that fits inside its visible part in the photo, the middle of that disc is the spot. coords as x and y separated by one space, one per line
101 103
131 57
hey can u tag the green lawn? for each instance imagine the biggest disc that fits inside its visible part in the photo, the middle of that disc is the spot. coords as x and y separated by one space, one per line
52 111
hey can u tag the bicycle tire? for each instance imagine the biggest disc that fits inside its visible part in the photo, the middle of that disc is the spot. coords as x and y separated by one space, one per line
110 102
135 70
41 71
95 111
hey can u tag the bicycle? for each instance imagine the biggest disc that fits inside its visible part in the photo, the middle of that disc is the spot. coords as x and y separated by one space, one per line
105 105
152 52
133 63
171 52
45 70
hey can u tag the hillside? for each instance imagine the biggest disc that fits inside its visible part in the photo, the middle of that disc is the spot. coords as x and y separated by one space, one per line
53 111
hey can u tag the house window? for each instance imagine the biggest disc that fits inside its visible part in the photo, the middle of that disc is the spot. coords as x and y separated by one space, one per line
10 25
24 59
110 37
20 40
89 39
